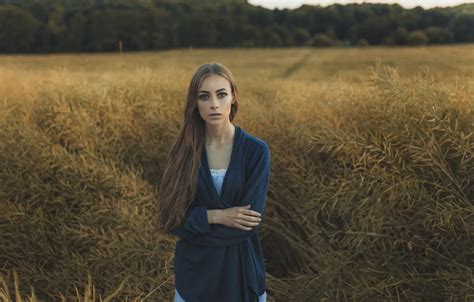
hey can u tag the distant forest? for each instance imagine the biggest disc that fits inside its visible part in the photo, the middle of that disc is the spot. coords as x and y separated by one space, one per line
45 26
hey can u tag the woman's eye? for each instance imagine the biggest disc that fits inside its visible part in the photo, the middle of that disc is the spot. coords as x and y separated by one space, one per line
205 96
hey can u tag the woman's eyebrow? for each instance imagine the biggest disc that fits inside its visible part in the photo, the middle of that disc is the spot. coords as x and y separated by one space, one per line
216 90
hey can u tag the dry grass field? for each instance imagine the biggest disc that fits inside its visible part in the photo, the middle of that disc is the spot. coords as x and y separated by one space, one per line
371 192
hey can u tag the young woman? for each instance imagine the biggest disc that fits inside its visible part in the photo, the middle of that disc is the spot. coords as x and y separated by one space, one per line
212 196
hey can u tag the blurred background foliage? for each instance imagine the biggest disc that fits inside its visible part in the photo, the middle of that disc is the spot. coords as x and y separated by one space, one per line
47 26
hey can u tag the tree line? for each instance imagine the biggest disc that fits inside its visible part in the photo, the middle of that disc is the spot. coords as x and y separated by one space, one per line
45 26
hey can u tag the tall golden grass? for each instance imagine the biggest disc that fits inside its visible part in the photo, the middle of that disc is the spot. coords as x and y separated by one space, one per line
371 191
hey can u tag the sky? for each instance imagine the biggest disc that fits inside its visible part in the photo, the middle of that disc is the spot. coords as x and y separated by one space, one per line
291 4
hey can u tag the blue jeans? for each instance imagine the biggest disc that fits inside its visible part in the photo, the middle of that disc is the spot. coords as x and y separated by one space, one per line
178 298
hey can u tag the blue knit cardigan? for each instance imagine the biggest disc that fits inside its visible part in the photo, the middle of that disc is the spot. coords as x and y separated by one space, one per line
214 262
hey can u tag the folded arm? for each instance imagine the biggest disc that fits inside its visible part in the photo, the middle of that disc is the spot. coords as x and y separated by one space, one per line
197 228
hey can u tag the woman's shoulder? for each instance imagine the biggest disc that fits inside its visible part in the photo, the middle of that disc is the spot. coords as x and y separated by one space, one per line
254 143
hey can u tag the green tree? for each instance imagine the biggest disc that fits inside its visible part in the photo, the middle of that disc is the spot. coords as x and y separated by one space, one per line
300 18
106 27
462 27
75 35
159 23
284 34
227 33
322 40
301 36
438 35
436 17
417 37
18 29
397 37
249 35
270 38
197 30
260 17
411 19
362 43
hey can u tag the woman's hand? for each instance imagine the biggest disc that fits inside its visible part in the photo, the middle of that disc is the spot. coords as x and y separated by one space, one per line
238 217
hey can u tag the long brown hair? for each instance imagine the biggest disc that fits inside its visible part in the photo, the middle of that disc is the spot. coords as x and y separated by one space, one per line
178 184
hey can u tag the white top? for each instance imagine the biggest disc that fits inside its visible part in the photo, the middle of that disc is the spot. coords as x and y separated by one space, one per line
218 177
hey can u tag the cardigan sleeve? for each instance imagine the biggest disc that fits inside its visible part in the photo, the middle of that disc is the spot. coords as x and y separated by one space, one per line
255 191
195 222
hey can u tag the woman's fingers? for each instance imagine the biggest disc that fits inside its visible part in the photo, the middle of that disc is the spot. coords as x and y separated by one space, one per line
253 213
250 212
248 217
247 223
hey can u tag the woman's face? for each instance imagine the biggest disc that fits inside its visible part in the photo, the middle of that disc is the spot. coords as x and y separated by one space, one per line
215 96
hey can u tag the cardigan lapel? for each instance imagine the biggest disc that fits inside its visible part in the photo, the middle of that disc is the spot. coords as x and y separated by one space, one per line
206 173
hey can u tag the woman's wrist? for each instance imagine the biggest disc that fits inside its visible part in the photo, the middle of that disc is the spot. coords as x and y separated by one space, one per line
213 216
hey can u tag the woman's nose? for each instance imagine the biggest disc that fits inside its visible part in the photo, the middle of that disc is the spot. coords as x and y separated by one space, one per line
214 102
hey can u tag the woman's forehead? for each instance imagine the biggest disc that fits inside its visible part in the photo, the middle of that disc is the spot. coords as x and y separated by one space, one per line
214 82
